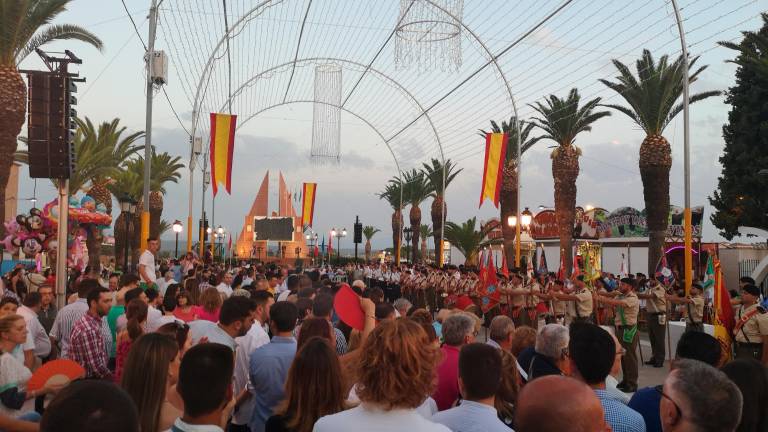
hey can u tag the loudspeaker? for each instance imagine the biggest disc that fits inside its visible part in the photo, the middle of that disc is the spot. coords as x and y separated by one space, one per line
358 233
50 126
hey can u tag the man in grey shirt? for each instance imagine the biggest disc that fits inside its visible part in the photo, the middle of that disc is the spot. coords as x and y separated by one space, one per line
235 319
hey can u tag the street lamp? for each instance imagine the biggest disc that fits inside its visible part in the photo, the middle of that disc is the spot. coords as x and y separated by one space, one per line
338 236
220 235
526 217
408 232
177 228
125 211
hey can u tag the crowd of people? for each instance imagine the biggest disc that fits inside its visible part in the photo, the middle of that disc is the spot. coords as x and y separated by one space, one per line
185 345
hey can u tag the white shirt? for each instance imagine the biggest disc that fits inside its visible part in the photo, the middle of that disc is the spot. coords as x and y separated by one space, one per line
186 427
147 259
370 419
162 285
283 296
471 417
35 333
224 289
255 338
247 281
153 318
201 328
427 409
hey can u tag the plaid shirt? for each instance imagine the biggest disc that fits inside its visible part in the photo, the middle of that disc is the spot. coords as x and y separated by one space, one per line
87 347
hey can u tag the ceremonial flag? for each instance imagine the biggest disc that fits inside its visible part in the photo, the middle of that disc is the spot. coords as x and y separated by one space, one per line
222 146
481 271
561 270
576 270
663 273
529 269
308 204
542 260
229 246
490 295
709 278
724 320
495 151
504 268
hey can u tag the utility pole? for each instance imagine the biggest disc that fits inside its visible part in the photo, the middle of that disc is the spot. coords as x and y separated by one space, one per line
148 128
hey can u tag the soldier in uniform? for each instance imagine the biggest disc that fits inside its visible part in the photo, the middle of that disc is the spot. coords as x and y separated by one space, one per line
694 307
582 298
751 330
557 308
517 294
627 306
656 315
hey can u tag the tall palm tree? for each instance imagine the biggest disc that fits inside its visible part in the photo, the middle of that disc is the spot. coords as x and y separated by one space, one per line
24 26
369 232
416 190
393 194
128 182
435 174
508 195
165 169
652 97
468 239
561 120
425 231
108 137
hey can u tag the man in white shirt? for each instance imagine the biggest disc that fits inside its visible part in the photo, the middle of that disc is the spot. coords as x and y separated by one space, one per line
479 377
162 284
235 320
225 287
255 338
147 269
35 330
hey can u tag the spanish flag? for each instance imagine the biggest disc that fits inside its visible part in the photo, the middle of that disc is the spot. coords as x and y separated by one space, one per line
308 203
222 146
723 320
495 151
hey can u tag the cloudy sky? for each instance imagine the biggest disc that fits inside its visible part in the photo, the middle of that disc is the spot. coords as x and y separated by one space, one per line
572 49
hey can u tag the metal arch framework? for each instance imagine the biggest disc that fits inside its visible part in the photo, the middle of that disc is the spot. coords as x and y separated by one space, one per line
358 116
376 72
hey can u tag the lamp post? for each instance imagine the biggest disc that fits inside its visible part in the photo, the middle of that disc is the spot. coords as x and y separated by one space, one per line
220 235
125 210
526 217
338 235
177 228
408 232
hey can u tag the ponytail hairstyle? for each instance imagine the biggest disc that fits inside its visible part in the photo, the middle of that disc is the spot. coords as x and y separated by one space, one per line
136 313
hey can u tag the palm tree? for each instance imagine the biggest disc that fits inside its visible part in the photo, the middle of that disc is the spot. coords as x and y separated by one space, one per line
753 49
468 240
435 174
416 190
165 168
128 182
24 28
651 97
561 120
393 194
369 232
108 138
508 195
425 232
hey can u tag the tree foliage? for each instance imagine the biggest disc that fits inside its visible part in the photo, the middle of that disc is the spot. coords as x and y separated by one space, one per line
741 198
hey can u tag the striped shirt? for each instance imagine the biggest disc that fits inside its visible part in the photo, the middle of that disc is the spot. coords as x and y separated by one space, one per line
65 321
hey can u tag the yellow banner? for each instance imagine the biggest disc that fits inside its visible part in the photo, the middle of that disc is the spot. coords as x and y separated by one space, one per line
308 203
495 151
222 146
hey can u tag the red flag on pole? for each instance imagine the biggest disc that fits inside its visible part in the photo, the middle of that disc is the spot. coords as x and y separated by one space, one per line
561 270
490 295
504 268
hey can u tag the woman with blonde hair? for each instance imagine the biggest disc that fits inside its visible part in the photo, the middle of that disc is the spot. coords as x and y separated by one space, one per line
390 391
136 314
151 370
312 390
210 305
15 400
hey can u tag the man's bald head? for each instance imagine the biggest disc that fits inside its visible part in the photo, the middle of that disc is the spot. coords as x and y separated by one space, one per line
555 403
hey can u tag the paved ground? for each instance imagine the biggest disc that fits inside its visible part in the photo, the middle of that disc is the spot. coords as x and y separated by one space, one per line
649 375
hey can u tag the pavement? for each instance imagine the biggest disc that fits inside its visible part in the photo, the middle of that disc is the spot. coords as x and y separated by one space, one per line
649 375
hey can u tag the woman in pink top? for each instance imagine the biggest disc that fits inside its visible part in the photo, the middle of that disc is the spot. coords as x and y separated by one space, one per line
184 310
210 305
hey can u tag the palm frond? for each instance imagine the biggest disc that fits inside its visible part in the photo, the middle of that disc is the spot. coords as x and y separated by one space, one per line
563 119
369 231
433 172
58 32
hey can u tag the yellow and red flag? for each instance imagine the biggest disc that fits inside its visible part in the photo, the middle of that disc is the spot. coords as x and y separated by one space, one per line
308 203
222 146
495 152
724 320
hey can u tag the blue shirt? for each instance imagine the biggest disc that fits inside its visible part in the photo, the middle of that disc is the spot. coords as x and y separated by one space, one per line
471 417
269 370
620 417
646 401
